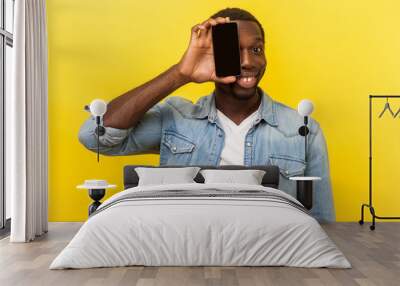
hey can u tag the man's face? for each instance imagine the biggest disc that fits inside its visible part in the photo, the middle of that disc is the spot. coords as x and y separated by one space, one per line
253 61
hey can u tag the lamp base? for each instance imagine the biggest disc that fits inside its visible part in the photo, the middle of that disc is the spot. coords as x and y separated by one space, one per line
96 195
303 130
100 130
305 193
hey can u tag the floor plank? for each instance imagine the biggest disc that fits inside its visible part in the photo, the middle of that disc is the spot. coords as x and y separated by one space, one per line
375 257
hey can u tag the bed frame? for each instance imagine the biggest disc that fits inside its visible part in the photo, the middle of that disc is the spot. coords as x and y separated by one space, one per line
270 179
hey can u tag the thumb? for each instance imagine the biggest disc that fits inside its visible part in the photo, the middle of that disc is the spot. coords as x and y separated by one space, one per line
226 80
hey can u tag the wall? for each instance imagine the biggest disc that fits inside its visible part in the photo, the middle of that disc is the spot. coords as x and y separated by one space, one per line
335 53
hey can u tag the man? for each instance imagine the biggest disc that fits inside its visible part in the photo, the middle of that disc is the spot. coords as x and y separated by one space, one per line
237 124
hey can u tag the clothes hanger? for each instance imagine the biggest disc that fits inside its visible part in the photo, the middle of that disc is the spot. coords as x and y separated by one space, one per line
387 107
397 113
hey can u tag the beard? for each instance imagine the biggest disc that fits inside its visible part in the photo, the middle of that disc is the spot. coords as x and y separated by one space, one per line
237 92
240 93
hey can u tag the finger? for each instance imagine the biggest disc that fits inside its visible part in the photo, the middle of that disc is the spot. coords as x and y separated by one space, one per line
197 27
207 27
200 31
220 20
196 30
208 35
226 80
206 23
212 21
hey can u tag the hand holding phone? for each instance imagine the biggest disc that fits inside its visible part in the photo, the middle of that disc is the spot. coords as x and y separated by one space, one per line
197 64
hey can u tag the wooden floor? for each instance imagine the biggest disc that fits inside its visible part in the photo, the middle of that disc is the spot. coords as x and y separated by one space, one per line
375 257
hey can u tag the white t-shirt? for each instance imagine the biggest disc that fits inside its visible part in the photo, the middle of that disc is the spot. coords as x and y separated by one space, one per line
233 150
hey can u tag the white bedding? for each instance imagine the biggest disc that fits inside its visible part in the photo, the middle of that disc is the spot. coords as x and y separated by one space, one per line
190 230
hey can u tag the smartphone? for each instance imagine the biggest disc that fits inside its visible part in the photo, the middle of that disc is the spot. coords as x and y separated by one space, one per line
225 39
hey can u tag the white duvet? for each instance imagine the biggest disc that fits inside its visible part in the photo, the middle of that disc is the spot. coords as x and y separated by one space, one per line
188 231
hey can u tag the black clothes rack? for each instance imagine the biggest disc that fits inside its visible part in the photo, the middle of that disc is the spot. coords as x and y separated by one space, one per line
370 205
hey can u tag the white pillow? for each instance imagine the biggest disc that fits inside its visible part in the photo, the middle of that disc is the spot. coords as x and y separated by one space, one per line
248 177
166 176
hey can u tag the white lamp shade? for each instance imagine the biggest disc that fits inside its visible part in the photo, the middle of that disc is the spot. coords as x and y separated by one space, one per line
98 107
305 107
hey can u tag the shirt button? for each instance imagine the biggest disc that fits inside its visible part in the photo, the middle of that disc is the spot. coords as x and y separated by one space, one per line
174 148
248 144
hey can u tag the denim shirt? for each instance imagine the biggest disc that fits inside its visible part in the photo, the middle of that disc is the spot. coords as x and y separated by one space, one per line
184 133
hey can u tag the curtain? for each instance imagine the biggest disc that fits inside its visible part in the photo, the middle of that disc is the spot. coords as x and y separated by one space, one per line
26 123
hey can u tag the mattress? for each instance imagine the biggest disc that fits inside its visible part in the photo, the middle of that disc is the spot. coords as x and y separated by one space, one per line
201 225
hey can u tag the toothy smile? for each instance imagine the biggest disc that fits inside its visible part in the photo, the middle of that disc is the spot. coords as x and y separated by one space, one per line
246 81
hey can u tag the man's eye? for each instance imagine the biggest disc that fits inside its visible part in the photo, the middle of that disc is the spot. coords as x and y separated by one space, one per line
257 50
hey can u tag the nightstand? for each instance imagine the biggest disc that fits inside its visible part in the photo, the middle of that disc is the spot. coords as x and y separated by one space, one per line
96 190
305 190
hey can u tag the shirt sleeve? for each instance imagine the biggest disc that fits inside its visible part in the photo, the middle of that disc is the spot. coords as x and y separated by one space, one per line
145 137
318 165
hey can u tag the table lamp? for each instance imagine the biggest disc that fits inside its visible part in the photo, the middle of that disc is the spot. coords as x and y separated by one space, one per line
305 184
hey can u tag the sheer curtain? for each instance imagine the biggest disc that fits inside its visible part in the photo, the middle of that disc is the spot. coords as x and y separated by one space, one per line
26 124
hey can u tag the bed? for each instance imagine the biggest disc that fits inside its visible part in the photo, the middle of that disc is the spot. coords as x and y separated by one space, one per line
201 224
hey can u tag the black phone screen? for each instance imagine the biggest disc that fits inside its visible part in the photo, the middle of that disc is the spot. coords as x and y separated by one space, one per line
226 49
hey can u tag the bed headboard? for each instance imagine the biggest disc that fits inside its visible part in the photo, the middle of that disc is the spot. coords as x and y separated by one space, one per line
270 179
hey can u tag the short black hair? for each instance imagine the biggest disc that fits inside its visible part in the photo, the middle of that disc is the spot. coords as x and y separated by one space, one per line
236 14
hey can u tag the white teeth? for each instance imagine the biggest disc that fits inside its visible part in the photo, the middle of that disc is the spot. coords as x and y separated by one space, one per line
247 78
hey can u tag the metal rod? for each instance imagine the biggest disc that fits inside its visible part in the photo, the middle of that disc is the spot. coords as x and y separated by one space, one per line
98 142
384 96
305 138
3 36
370 206
370 151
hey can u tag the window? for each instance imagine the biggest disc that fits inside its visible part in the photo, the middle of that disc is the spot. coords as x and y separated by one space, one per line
6 60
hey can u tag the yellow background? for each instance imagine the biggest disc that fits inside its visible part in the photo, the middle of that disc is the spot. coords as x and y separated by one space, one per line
335 53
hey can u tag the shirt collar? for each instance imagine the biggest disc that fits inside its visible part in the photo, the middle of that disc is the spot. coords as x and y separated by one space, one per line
206 108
